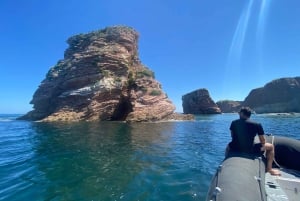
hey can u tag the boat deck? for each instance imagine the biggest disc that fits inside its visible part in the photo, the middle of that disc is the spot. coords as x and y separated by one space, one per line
284 187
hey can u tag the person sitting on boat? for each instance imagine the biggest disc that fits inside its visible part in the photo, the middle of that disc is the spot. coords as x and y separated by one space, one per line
243 132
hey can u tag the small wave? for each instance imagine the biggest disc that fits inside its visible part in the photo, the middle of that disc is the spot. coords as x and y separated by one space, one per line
8 117
287 114
5 119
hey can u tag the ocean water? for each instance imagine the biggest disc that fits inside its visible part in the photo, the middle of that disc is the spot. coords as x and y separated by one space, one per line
109 161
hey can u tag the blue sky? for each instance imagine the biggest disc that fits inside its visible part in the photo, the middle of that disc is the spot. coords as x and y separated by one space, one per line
226 46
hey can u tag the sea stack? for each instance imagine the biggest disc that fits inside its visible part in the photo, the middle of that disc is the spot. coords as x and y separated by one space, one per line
199 102
101 78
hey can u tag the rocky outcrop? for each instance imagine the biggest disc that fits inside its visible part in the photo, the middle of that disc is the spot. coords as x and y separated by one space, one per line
101 78
199 102
228 106
278 96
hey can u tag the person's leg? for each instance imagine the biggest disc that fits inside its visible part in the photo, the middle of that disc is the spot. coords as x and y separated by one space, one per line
269 148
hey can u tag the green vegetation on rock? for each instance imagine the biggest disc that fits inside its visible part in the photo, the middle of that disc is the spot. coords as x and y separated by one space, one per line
155 92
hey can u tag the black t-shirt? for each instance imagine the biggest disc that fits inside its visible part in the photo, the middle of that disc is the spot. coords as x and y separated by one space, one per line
243 133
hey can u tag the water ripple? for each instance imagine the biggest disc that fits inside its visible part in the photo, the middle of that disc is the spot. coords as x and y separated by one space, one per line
117 161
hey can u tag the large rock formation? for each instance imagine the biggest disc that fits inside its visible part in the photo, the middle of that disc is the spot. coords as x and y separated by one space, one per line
101 78
199 102
228 106
278 96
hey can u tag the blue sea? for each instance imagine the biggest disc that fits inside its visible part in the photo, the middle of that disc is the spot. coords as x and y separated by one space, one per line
110 161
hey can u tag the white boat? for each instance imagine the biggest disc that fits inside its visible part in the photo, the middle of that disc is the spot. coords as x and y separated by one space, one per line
243 177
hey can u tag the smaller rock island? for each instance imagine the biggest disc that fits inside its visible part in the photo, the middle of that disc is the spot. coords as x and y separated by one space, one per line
199 102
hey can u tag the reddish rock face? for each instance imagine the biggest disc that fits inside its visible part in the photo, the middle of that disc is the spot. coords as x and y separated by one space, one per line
199 102
101 78
228 106
280 95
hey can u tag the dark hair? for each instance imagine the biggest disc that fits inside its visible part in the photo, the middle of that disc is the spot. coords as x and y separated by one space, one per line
246 111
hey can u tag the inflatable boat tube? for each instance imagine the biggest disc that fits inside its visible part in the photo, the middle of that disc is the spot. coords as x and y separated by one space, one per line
287 151
239 176
242 176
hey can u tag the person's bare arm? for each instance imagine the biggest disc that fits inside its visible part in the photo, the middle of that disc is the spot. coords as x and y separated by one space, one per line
262 139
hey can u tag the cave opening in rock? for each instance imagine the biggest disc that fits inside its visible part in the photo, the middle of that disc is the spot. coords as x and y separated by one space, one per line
122 110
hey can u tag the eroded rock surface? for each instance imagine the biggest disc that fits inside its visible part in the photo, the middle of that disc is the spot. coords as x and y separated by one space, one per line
199 102
228 106
101 78
278 96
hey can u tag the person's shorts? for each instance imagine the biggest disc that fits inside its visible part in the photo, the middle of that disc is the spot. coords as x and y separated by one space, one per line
257 148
